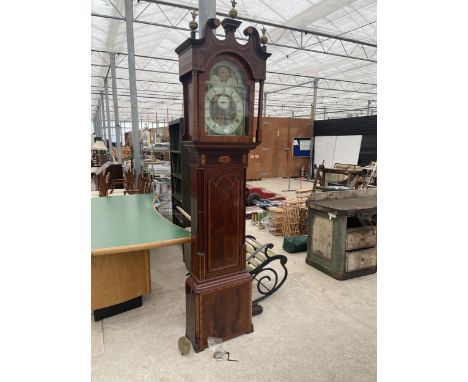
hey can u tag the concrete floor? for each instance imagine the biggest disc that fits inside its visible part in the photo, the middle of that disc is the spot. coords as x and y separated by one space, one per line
314 328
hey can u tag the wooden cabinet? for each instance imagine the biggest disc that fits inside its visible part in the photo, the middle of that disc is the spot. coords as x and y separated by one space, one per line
338 244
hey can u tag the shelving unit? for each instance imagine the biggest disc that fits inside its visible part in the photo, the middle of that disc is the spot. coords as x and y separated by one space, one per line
179 173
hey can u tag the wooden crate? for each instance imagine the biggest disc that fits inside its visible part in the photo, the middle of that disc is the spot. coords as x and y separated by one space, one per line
291 218
276 220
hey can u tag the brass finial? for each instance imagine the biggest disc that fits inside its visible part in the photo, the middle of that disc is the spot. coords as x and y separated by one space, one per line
233 11
193 25
264 38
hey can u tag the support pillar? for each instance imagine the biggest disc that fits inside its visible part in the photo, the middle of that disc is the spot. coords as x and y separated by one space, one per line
118 141
313 108
123 126
103 117
133 89
206 10
98 120
368 107
95 125
108 118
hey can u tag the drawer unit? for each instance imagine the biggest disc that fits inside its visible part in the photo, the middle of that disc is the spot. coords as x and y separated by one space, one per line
360 237
361 259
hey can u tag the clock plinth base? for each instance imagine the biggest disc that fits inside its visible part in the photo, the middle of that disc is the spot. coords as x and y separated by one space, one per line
218 308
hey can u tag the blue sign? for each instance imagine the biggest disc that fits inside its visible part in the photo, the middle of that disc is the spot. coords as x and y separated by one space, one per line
301 147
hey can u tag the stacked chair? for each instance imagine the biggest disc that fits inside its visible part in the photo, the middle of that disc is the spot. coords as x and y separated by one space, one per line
143 184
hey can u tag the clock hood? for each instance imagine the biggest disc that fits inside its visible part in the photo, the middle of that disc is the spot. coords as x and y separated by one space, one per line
193 52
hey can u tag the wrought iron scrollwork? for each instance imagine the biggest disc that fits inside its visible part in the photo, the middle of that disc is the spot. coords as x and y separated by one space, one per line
267 278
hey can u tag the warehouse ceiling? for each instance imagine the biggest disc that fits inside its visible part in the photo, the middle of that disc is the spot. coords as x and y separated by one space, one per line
332 40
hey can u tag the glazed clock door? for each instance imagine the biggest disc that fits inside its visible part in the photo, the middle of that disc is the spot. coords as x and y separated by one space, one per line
226 100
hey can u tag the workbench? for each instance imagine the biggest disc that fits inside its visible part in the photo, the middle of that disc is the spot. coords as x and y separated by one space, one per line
342 233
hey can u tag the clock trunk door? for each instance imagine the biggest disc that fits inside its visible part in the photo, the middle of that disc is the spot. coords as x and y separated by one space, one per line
225 213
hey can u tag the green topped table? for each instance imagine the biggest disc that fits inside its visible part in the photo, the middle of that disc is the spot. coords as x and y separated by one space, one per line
123 230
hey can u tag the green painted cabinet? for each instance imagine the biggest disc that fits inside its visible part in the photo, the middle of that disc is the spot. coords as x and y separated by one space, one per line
342 234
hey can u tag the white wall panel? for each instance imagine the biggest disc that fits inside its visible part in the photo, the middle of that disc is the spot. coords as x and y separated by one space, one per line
347 149
337 149
324 149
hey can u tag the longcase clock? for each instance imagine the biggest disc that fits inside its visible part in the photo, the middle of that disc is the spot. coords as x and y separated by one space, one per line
219 78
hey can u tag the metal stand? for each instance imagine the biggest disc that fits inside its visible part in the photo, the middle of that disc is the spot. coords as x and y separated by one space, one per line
289 186
300 184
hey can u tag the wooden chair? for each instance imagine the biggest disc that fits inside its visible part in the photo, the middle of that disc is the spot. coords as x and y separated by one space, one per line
148 185
129 179
103 183
116 178
129 185
143 185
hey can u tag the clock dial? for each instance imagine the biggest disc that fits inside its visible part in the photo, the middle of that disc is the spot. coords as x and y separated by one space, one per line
225 100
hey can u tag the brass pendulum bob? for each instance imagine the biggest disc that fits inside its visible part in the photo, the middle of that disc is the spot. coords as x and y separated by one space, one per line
184 345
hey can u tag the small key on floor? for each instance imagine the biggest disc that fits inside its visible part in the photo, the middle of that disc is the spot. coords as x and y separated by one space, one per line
229 359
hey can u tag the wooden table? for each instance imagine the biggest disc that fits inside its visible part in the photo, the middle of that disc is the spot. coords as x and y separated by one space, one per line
353 175
338 243
347 207
123 230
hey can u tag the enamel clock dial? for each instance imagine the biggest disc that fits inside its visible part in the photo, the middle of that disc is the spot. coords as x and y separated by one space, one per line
225 100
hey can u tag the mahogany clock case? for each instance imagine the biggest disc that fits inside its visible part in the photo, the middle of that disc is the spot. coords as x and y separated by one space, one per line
218 290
